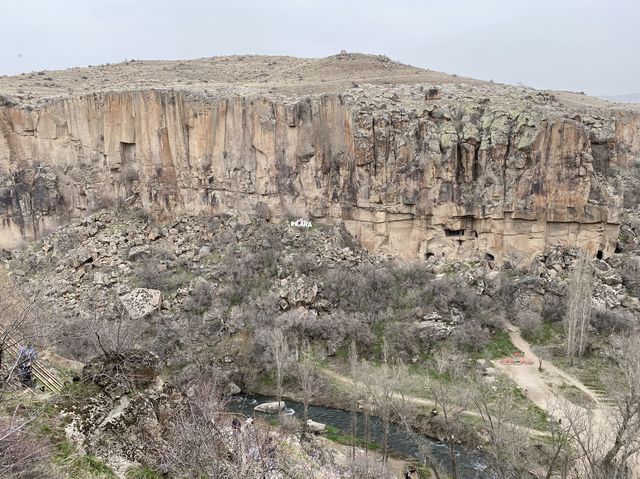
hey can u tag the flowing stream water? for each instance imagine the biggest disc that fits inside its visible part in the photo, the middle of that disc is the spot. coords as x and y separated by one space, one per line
471 464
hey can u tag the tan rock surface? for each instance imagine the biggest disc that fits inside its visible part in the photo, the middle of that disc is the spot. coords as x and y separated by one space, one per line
416 163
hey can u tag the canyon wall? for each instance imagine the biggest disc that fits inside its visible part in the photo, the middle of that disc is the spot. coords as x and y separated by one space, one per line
465 179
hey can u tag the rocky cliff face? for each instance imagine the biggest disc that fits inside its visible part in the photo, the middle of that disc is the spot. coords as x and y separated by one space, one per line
416 169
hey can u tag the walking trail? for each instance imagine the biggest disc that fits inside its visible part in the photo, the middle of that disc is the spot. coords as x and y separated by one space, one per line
539 388
538 385
418 401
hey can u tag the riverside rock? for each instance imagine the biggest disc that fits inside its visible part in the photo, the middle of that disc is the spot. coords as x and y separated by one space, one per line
270 407
316 427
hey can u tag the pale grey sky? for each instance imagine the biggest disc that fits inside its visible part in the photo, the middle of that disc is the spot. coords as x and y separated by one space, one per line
590 45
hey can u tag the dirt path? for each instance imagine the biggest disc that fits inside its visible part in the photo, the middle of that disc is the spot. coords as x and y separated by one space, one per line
539 386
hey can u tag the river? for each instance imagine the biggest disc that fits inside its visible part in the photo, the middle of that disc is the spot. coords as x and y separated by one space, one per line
470 463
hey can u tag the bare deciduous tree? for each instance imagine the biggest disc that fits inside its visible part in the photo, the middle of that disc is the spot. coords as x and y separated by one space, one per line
280 356
605 445
201 443
384 386
451 401
308 380
578 313
355 395
495 404
625 392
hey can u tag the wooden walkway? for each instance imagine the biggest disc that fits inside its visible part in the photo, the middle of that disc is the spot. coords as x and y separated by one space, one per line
42 375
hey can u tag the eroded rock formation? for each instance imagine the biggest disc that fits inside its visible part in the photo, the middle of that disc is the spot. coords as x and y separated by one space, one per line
415 169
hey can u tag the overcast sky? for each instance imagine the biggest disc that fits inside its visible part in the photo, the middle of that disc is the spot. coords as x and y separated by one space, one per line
589 45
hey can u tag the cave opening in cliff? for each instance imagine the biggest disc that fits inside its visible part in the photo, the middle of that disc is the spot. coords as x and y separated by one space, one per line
489 257
127 152
599 254
450 232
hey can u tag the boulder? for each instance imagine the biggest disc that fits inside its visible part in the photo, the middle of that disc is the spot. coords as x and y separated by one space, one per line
232 388
141 301
81 257
298 290
138 252
79 275
154 234
316 427
270 407
122 372
456 316
434 329
434 316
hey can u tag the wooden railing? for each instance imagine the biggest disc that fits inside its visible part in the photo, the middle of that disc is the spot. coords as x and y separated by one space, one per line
41 373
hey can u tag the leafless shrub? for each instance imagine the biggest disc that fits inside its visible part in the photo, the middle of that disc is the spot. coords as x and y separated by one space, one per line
201 442
200 298
149 274
630 272
369 467
553 308
471 336
334 330
529 322
23 454
615 320
112 332
405 342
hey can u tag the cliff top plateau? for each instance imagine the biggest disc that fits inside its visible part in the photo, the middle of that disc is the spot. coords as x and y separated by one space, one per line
276 76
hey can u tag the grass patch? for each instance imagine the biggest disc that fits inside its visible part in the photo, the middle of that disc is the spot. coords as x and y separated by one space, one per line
537 417
576 396
142 472
378 331
500 346
80 466
543 335
334 434
533 416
